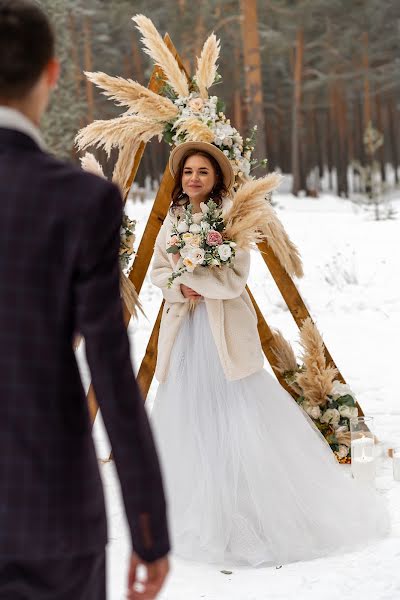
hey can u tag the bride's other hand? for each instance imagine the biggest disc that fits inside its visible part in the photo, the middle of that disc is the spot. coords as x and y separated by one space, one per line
188 292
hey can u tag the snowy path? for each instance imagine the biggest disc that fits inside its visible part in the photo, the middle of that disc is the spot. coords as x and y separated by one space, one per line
352 289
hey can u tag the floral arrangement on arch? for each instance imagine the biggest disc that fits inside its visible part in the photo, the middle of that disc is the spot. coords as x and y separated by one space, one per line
127 233
328 402
183 110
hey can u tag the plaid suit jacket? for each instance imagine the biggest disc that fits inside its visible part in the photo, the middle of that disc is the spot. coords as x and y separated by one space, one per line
59 242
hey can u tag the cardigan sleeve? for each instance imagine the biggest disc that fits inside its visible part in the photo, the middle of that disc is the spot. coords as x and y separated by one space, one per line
220 283
162 270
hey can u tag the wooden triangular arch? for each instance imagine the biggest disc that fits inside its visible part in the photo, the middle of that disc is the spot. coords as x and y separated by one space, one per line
144 255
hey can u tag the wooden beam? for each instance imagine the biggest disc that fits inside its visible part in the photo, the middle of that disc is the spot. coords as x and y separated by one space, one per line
292 298
158 213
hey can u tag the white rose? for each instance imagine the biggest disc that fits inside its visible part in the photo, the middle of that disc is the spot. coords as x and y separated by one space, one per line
340 389
343 451
205 226
196 255
204 208
196 218
345 411
313 411
183 227
353 412
187 237
224 251
194 228
331 416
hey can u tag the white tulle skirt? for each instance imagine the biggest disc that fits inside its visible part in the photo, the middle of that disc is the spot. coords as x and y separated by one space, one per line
249 480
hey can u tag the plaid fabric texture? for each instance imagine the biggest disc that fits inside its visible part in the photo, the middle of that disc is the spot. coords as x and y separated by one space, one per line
59 240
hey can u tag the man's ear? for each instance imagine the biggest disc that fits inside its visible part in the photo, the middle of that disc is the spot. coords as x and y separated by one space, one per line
53 72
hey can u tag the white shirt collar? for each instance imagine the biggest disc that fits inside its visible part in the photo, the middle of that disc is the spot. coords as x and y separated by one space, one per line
10 118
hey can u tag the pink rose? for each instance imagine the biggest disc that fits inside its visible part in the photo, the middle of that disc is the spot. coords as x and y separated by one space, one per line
214 238
196 104
173 240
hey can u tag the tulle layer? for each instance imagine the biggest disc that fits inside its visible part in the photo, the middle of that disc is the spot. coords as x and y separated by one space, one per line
249 480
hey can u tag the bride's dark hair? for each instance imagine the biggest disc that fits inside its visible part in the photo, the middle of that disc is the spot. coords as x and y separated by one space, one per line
179 198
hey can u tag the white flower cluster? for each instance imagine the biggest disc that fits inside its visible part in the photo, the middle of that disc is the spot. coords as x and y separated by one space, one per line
226 137
126 249
332 419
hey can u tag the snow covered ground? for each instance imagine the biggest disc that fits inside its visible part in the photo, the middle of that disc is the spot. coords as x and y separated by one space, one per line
352 289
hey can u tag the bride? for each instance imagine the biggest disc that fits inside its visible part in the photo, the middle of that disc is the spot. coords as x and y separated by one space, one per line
248 477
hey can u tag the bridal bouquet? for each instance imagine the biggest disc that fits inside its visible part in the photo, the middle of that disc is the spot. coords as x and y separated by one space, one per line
199 240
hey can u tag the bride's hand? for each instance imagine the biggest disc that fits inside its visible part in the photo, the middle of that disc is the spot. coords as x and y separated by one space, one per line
187 292
176 257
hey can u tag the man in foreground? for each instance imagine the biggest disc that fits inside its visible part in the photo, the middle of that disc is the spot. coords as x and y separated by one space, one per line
59 274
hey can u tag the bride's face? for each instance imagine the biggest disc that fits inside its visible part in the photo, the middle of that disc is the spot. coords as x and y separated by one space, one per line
198 177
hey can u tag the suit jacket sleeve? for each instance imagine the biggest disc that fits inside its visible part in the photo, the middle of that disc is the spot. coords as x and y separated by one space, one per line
100 321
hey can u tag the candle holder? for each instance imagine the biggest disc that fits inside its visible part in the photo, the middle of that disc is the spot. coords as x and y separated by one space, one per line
396 463
363 465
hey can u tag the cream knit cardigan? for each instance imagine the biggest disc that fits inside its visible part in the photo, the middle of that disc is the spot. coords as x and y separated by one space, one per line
231 315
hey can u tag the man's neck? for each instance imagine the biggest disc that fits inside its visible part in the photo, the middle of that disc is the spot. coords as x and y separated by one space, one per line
13 118
25 108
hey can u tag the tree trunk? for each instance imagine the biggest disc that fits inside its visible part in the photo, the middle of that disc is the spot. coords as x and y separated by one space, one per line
381 127
392 122
253 102
88 67
342 157
367 98
298 70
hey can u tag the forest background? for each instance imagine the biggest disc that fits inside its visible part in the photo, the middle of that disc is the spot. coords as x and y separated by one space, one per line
319 78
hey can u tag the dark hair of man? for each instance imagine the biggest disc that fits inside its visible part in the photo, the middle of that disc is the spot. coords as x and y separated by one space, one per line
179 198
26 47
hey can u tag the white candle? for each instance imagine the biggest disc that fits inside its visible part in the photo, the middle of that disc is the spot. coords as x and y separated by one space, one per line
363 459
396 465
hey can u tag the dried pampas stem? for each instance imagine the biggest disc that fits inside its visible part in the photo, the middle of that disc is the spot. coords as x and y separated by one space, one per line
196 130
286 360
91 165
283 351
130 296
317 379
117 132
161 54
207 65
252 219
136 97
124 164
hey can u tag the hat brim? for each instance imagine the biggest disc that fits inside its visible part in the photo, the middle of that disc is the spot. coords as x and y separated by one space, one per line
180 150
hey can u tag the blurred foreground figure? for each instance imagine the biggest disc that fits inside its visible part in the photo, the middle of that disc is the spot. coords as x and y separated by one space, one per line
59 274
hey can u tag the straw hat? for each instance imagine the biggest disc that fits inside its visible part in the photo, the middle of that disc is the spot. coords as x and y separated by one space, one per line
179 151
